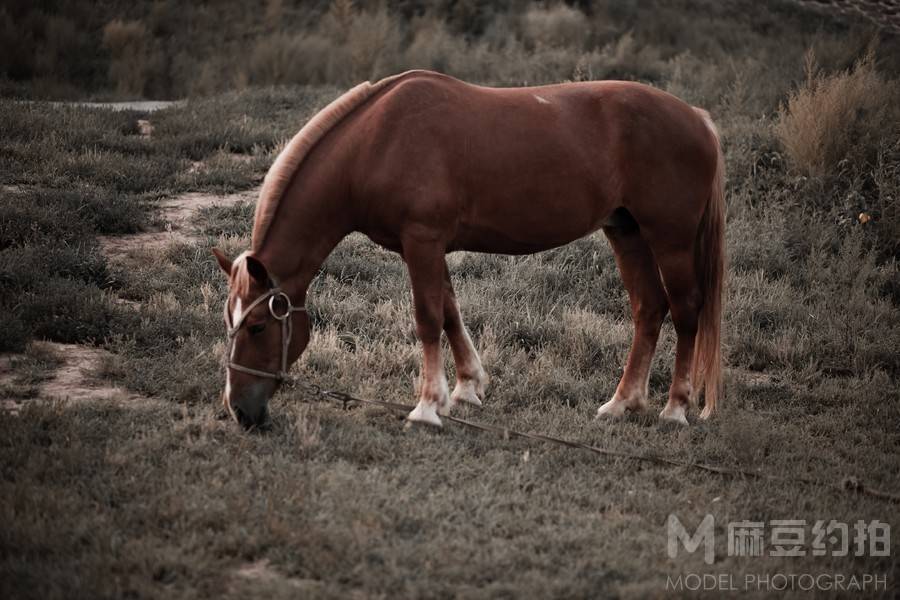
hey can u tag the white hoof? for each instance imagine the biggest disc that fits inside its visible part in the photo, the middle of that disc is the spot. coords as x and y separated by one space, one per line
465 391
673 414
612 409
424 413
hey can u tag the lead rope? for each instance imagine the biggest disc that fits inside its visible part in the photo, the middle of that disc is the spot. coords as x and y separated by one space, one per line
847 485
850 484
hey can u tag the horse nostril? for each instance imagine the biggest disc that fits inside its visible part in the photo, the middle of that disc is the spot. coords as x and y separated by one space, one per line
249 420
240 417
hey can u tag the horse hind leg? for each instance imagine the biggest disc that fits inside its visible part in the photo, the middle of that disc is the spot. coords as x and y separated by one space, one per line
649 306
685 301
471 378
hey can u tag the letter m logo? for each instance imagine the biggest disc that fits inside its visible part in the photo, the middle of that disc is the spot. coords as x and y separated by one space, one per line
705 534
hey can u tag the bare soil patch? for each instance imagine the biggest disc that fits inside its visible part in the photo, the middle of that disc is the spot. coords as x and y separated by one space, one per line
262 576
76 379
178 214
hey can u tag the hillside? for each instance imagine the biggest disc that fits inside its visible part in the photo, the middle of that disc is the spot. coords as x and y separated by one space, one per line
166 49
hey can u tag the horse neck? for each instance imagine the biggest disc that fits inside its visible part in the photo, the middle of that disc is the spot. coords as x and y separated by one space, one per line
313 217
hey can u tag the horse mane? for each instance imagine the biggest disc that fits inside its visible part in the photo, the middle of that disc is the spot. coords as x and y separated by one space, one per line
289 159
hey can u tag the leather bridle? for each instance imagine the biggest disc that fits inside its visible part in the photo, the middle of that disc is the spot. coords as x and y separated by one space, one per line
287 328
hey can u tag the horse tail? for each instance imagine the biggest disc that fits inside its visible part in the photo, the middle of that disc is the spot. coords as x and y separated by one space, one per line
706 370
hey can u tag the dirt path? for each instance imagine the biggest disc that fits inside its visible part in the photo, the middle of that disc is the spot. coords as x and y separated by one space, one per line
137 105
261 577
77 378
178 214
74 380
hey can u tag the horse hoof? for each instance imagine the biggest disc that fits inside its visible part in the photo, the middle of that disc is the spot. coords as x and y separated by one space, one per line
674 414
424 413
612 409
465 392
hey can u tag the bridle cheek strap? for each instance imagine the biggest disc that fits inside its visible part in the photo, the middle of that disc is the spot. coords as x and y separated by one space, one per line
287 330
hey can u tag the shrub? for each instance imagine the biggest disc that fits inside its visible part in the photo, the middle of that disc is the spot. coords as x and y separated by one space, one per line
847 115
59 34
625 58
434 47
373 45
16 48
15 332
557 26
129 44
33 216
276 59
67 311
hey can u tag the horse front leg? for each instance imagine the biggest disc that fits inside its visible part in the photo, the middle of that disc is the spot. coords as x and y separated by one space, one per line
425 262
471 378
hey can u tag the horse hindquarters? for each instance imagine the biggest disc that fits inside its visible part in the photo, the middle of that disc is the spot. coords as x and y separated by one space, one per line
693 272
673 256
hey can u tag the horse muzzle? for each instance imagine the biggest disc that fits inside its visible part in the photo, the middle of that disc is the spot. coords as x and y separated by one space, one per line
249 408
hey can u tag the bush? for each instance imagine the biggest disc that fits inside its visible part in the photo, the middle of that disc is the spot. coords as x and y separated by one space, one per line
847 115
373 45
277 59
67 311
129 44
33 217
434 47
557 26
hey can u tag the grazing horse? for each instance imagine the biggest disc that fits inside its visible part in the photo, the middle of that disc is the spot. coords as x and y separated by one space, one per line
424 164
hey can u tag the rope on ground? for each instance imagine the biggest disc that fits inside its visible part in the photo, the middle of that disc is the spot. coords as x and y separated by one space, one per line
848 485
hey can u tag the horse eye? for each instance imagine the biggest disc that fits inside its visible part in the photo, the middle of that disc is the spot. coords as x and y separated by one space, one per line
255 329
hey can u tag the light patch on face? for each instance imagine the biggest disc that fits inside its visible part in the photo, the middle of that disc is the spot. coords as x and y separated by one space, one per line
541 99
235 315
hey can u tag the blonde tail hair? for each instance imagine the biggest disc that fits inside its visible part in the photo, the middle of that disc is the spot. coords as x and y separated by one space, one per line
706 370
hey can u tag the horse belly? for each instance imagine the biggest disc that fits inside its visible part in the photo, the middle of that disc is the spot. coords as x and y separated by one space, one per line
535 184
530 223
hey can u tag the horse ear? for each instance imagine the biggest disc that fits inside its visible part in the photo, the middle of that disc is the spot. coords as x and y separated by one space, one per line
223 261
257 270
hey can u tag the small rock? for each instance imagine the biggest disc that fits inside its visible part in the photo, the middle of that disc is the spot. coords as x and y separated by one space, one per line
145 129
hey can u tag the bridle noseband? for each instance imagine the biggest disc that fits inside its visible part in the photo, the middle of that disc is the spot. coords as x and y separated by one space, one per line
287 328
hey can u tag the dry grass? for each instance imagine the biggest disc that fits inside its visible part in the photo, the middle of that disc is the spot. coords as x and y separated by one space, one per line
558 25
169 500
166 49
130 45
830 118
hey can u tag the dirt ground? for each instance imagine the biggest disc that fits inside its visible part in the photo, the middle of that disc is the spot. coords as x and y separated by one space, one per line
78 376
178 215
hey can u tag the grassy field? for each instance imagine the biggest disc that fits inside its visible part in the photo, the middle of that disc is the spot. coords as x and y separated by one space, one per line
166 498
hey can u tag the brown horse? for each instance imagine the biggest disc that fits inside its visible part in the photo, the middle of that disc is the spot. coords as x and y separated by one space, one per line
425 164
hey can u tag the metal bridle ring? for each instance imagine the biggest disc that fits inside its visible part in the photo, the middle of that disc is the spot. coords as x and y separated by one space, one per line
287 301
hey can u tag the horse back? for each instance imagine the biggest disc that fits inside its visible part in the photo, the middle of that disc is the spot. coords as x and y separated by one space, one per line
517 170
